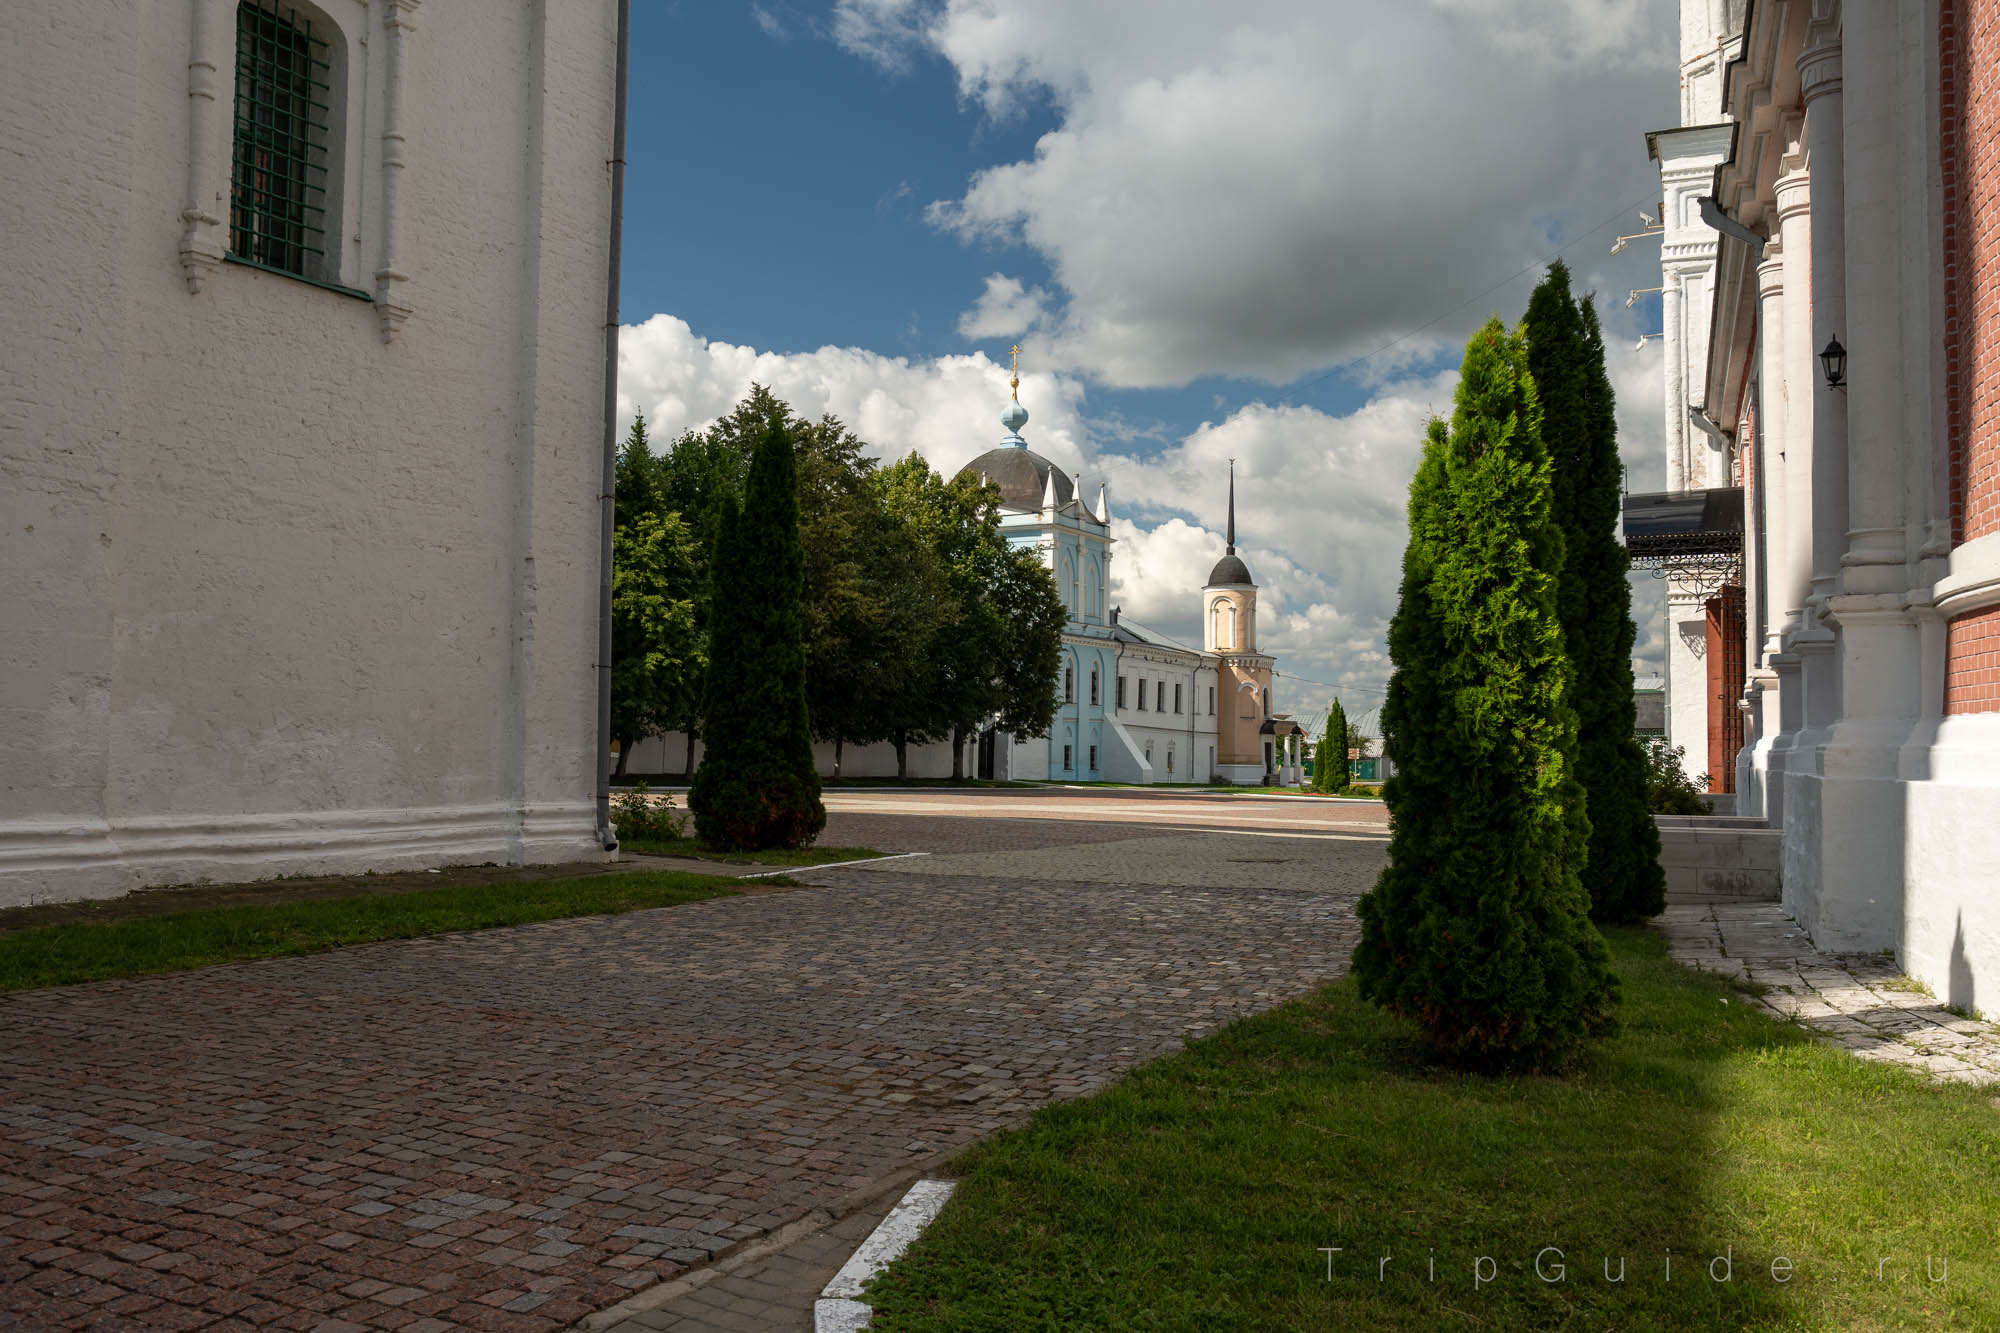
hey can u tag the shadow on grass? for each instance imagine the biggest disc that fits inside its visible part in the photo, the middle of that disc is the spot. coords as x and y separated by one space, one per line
1693 1151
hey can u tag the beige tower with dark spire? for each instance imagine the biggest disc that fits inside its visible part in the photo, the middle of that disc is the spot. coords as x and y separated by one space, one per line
1244 739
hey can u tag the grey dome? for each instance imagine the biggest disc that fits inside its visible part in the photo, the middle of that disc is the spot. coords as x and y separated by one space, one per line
1230 571
1022 476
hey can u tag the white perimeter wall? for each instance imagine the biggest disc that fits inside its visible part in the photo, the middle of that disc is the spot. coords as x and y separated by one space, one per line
281 596
668 754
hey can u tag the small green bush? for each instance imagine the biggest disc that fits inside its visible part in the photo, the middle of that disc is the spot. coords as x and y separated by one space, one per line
1669 789
638 819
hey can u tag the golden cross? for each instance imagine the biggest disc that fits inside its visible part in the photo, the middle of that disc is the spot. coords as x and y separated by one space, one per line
1016 380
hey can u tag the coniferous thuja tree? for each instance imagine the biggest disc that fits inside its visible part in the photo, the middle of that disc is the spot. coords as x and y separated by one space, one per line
1479 928
756 786
1579 428
1337 772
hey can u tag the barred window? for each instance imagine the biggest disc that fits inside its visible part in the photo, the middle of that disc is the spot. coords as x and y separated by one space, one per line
278 196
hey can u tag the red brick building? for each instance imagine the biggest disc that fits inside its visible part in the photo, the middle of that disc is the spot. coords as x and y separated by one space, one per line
1832 263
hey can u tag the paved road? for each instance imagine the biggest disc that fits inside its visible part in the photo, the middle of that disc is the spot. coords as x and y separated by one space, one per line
513 1128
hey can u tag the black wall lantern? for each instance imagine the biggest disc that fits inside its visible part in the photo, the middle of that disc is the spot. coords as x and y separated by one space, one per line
1834 358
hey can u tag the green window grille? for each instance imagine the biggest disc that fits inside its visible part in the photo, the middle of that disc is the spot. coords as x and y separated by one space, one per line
278 199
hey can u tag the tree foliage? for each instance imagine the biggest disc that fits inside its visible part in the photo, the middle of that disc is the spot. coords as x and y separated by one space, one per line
655 650
920 622
997 636
1579 426
1478 930
1330 768
757 786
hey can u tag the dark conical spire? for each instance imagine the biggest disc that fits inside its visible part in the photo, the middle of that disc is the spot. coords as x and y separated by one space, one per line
1232 507
1230 570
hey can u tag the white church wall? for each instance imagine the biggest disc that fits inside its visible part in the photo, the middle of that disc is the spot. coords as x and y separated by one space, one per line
1125 759
1687 683
283 596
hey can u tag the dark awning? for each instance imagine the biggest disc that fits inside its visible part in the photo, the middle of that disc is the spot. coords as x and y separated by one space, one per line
1670 524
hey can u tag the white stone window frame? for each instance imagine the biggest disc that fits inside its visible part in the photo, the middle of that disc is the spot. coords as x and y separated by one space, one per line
365 145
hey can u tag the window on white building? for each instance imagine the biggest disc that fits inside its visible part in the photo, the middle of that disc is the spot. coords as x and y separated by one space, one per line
1142 694
1177 696
1121 691
1170 757
286 141
1211 701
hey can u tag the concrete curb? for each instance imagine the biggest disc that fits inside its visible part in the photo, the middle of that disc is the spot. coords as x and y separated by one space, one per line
831 865
840 1308
753 1248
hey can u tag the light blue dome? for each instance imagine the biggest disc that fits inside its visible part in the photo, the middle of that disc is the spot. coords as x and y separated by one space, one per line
1015 417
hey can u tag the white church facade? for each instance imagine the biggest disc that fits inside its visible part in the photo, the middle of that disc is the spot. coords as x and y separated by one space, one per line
1133 704
301 436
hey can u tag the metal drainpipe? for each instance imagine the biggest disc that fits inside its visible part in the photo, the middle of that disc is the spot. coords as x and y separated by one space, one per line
607 835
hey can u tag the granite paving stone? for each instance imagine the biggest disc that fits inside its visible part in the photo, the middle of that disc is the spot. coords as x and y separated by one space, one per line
510 1129
1857 1001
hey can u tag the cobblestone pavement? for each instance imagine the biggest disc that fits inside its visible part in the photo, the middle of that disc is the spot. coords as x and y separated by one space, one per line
1858 1001
509 1129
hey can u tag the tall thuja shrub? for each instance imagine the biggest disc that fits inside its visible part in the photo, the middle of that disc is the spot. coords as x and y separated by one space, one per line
1337 772
1479 928
756 786
1579 427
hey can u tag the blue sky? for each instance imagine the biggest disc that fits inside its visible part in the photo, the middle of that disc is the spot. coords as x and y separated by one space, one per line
1198 219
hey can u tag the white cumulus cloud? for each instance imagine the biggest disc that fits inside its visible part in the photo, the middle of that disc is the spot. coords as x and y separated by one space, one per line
1263 187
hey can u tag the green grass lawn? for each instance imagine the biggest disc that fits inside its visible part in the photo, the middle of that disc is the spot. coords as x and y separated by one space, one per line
60 955
1199 1191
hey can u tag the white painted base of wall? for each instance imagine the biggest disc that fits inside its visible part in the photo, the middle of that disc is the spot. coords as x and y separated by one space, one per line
1951 901
1240 775
63 861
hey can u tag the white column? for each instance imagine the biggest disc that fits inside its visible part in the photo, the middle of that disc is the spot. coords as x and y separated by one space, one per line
1676 395
204 238
1773 671
389 302
1794 558
1861 856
